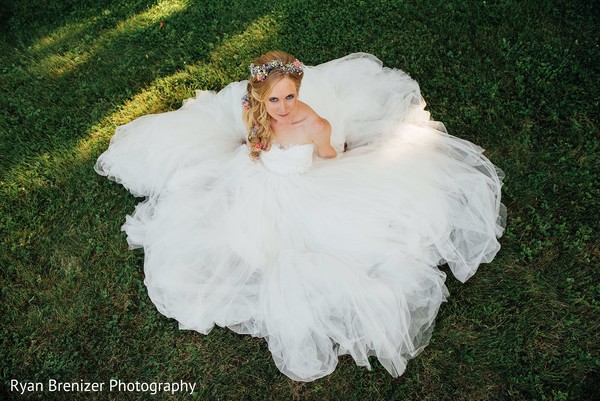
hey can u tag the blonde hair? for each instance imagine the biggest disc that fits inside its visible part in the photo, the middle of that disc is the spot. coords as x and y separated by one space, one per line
255 115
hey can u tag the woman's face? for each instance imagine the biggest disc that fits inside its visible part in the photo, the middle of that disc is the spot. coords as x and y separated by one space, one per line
282 101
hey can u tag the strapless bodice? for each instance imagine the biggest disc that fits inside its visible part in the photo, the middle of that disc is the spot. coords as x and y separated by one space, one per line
291 159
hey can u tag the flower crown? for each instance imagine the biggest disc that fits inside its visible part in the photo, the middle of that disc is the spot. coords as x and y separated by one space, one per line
260 72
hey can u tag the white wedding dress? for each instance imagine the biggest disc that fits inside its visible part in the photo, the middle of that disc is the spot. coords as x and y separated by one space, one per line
321 257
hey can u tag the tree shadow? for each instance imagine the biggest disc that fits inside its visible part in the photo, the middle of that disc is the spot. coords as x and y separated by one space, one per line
64 83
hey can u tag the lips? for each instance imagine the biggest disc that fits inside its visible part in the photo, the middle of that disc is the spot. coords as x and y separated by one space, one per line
283 115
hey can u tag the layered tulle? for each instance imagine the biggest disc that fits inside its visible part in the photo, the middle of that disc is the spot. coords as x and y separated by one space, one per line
319 257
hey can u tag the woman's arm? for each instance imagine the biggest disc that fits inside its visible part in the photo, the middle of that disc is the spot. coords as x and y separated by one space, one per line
321 137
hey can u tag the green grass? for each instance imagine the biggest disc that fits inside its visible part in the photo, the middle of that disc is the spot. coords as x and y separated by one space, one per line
520 78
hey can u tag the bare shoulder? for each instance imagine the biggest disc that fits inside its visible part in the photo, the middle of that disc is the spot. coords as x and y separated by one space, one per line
321 126
316 126
320 130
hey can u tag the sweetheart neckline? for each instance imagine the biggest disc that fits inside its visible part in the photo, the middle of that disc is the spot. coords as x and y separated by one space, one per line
290 145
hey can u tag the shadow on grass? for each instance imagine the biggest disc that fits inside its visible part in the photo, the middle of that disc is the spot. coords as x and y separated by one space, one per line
67 82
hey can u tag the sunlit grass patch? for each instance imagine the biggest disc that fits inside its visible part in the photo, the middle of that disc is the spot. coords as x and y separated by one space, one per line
159 96
70 46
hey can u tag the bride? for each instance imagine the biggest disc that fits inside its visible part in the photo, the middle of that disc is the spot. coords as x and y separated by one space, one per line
315 224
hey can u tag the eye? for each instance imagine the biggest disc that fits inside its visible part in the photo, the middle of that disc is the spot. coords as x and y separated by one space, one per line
273 99
289 97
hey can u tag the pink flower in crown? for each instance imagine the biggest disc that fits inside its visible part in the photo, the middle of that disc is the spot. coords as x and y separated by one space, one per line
257 147
297 63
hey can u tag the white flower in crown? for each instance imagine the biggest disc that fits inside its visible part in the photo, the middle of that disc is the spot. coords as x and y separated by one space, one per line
260 72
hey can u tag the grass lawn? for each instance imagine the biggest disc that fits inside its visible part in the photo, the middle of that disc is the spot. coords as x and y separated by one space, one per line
519 78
